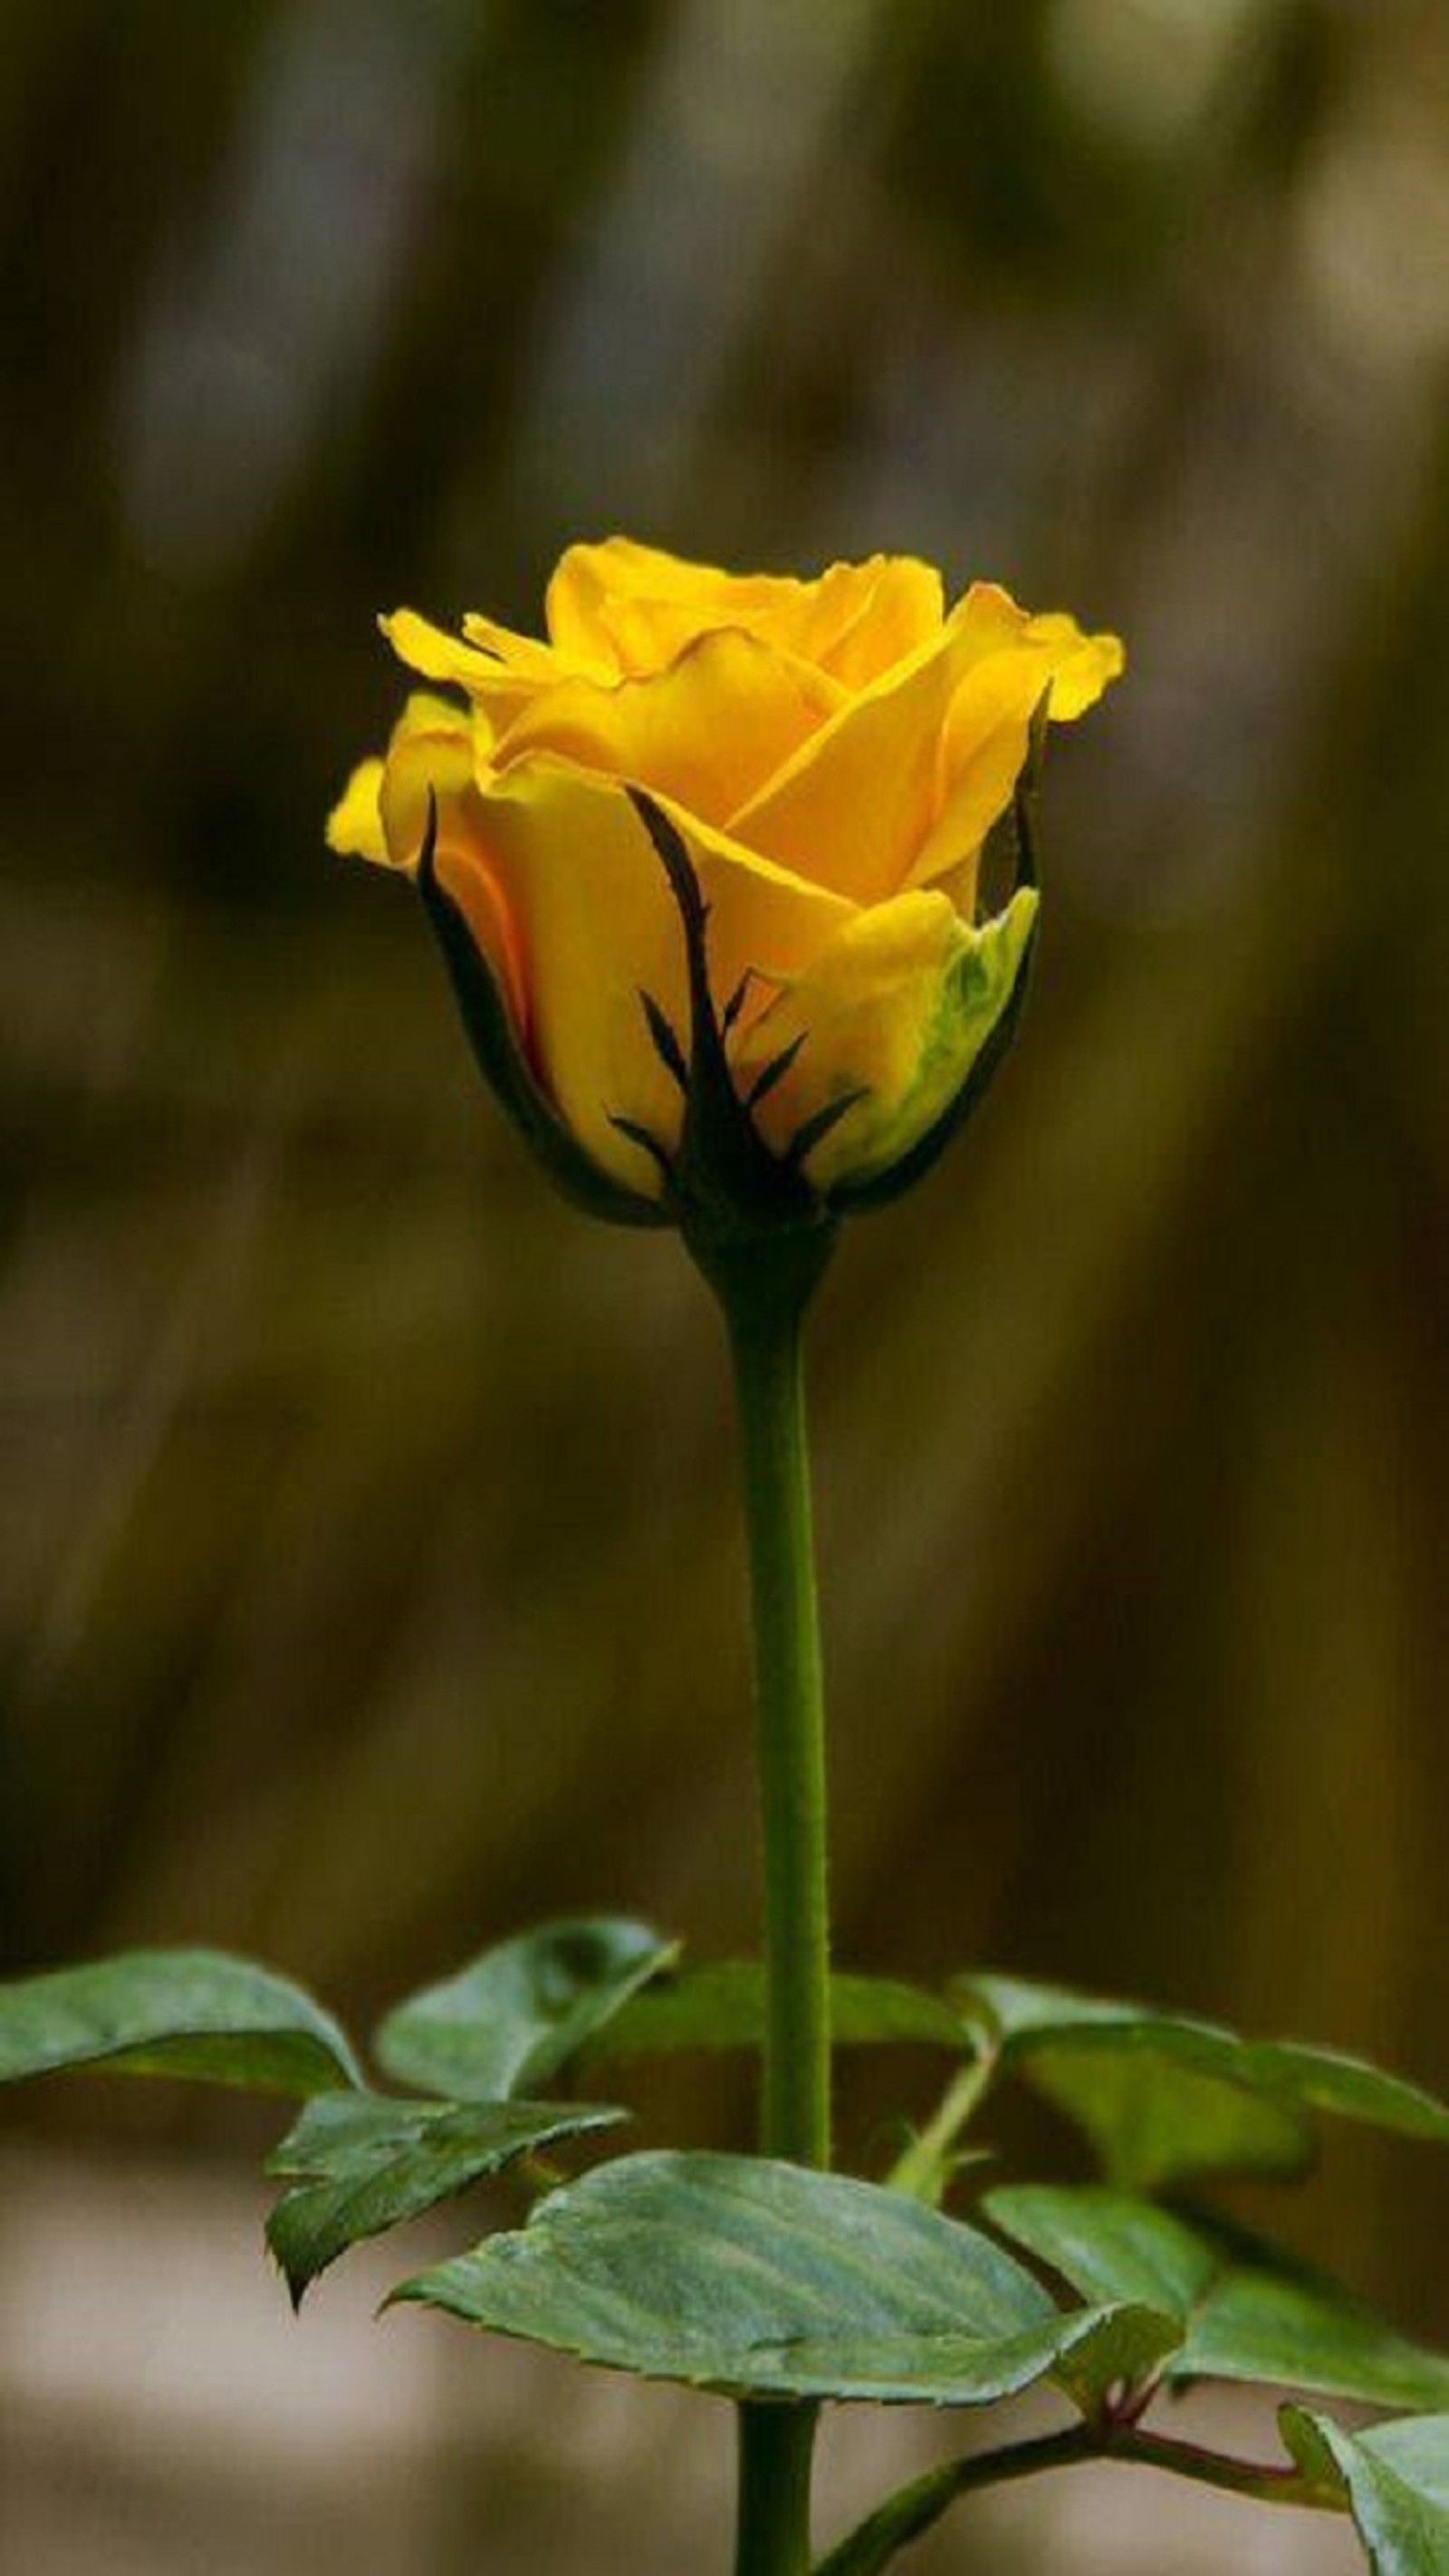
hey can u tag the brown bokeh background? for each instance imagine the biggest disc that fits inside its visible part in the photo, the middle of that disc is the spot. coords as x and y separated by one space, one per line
370 1576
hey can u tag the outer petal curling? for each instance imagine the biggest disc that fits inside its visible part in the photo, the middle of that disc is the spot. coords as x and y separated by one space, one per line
355 826
871 791
497 683
985 739
435 654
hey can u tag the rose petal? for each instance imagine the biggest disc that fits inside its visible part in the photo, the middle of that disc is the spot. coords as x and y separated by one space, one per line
520 658
434 653
636 608
354 826
891 607
855 803
984 742
597 926
432 758
706 730
858 805
636 605
897 1004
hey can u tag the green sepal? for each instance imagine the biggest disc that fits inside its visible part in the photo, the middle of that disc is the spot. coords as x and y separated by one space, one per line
517 2016
1394 2480
199 2014
1247 2311
1166 2097
764 2280
504 1066
360 2163
848 1197
722 2006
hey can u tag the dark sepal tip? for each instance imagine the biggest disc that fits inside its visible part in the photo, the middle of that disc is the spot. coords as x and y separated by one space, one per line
736 1002
817 1127
775 1071
643 1137
666 1042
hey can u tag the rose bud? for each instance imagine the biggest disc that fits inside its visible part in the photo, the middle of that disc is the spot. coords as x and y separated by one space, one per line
704 865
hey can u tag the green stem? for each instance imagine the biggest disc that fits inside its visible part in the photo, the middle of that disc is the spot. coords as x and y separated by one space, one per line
772 2530
923 2169
765 1326
1265 2481
913 2510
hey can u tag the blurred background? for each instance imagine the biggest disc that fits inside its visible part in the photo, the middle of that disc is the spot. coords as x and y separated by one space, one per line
370 1581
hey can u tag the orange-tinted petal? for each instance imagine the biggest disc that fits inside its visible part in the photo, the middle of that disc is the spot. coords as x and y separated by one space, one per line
432 759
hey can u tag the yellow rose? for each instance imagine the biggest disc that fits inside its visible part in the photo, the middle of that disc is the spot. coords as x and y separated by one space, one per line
821 762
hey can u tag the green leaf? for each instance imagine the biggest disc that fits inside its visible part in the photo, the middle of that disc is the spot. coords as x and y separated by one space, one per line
723 2006
1242 2318
1328 2080
515 2017
759 2279
1395 2478
1162 2097
362 2164
191 2013
1165 2097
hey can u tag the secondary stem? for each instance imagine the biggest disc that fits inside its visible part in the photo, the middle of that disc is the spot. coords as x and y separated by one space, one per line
776 2441
924 2167
914 2509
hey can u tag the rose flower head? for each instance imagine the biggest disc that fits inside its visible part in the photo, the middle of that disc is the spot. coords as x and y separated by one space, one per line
704 866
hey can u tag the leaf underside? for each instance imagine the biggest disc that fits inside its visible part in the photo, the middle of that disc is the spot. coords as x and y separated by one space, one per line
1166 2098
